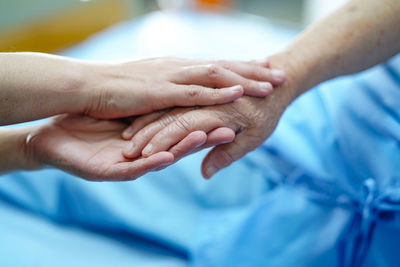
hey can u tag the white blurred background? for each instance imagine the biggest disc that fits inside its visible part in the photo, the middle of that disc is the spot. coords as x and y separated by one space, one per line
48 25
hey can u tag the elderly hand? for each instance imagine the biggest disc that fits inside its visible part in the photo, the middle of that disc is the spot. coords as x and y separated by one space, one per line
91 149
252 119
138 87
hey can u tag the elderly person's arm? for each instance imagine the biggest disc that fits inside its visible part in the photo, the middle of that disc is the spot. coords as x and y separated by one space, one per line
35 85
359 35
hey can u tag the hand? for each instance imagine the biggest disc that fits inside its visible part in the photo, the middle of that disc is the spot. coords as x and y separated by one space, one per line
137 87
42 85
91 149
252 119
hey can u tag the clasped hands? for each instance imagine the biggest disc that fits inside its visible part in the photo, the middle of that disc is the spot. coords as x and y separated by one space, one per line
145 115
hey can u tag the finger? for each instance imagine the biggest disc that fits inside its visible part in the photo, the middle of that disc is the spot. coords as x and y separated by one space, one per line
255 71
197 95
145 134
223 155
141 122
188 145
264 62
180 128
131 170
194 141
219 136
216 76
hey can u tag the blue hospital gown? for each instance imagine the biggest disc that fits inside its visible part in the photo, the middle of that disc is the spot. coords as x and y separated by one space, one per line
324 190
338 200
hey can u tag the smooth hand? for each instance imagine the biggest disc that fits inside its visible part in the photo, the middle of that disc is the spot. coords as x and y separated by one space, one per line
91 149
138 87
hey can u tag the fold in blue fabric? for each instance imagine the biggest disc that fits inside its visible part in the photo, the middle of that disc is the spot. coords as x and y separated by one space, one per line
337 151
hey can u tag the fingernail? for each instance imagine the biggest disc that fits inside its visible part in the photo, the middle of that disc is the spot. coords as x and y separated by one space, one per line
237 88
147 150
278 75
266 87
127 133
210 171
129 149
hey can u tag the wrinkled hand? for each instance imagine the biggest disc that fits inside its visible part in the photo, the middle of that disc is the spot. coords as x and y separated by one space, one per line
91 149
137 87
251 119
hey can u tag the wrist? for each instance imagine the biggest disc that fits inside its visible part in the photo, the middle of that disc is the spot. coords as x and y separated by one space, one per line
299 73
99 78
294 85
78 87
14 151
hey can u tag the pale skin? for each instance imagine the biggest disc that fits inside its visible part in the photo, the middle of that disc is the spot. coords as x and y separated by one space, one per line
86 142
361 34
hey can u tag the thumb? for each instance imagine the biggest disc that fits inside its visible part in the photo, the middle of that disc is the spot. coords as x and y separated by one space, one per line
223 155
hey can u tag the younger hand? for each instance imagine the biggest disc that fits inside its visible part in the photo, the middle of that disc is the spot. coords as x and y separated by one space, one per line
91 149
137 87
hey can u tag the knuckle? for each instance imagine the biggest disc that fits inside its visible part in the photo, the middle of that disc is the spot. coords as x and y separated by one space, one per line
163 122
226 157
184 123
260 73
216 93
213 71
244 112
193 91
178 152
248 84
251 84
142 137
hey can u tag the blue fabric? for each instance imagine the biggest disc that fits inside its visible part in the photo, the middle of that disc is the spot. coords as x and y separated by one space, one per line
339 202
322 191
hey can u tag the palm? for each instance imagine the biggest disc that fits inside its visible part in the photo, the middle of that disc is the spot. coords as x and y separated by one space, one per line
89 148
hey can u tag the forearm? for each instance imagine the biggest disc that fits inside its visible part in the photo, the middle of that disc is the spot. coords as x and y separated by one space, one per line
13 153
361 34
34 86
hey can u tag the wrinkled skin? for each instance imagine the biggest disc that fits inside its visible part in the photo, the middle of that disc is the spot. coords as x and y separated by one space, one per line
251 119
